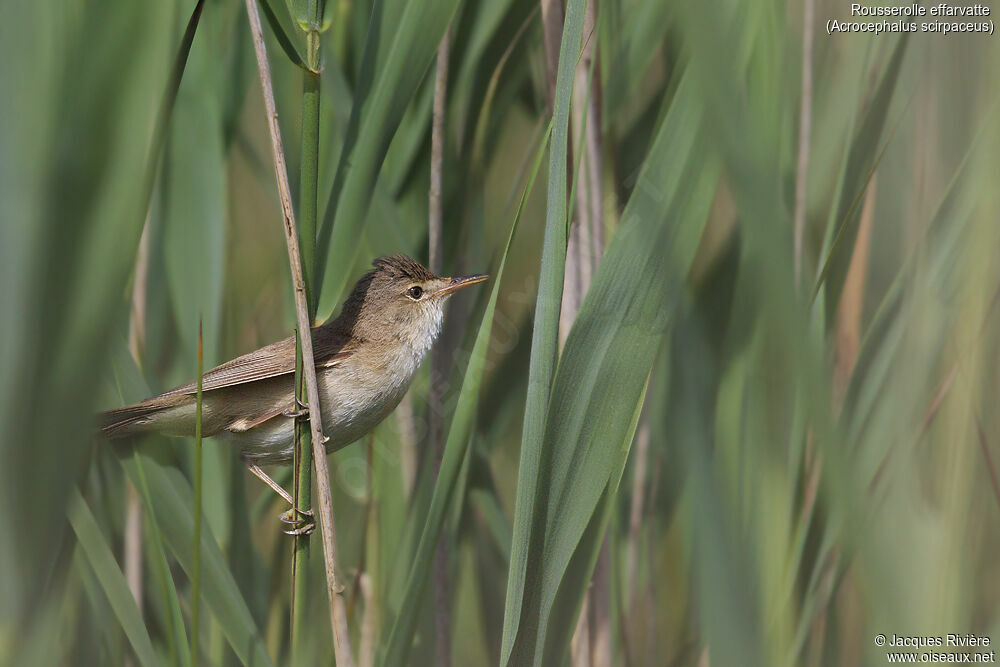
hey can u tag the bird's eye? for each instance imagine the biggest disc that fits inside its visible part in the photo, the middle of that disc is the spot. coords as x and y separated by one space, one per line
415 292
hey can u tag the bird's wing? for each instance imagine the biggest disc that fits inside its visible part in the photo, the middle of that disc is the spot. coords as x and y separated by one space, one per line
243 424
330 347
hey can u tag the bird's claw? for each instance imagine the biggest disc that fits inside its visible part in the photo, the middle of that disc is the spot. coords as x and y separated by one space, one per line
301 410
300 526
289 515
300 413
305 529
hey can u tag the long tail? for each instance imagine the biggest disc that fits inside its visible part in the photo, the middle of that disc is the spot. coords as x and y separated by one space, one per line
140 418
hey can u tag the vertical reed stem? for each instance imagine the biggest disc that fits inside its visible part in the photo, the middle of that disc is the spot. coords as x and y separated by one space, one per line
309 172
592 638
302 494
442 606
136 344
805 121
196 555
338 614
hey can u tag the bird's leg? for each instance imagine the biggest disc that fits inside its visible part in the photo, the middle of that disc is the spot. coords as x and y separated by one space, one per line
302 526
264 477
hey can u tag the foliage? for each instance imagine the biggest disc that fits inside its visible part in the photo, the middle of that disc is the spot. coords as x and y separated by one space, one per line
814 451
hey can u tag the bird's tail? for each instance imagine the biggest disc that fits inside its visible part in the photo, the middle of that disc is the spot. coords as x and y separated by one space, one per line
140 418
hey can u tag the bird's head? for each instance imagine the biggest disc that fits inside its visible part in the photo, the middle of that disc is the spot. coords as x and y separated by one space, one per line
402 299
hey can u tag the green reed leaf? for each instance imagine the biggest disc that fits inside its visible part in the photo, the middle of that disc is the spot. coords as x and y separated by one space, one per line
601 378
455 452
88 533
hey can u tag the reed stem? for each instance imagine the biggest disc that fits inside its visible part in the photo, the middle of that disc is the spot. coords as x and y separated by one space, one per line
196 547
338 614
309 173
439 373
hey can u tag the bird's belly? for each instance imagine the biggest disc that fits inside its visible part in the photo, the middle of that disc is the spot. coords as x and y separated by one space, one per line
356 401
353 404
267 443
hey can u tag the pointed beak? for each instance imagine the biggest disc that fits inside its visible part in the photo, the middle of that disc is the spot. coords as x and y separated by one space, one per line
459 282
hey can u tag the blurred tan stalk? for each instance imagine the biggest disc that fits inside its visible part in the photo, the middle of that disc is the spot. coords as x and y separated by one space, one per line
591 643
439 373
136 344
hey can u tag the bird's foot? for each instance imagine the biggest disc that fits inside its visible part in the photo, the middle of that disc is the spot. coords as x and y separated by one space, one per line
298 413
300 520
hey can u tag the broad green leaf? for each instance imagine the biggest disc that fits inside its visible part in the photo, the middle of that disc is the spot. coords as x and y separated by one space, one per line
89 535
77 163
544 351
603 370
456 448
575 579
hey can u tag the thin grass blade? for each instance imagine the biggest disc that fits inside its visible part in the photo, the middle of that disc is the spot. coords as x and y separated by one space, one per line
88 533
196 535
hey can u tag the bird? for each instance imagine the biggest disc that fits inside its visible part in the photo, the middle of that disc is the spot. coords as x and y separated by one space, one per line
365 359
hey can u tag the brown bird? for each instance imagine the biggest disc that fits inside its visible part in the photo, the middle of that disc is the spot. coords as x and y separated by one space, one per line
365 361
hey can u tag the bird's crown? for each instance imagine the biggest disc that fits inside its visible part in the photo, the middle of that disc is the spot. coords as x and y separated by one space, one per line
401 266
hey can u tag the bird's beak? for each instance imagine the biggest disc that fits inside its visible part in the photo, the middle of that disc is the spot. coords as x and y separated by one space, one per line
459 282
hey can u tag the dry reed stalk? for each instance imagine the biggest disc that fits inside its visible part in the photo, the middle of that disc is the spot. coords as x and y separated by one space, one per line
136 344
442 607
338 615
640 474
579 647
552 26
584 249
805 122
852 299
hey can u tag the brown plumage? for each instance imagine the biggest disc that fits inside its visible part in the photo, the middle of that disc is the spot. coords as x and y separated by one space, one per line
365 360
272 361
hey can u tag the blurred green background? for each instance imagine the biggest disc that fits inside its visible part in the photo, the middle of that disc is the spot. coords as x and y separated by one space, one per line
733 401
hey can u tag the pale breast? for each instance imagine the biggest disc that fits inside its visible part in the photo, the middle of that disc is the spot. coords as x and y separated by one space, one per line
362 390
356 394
